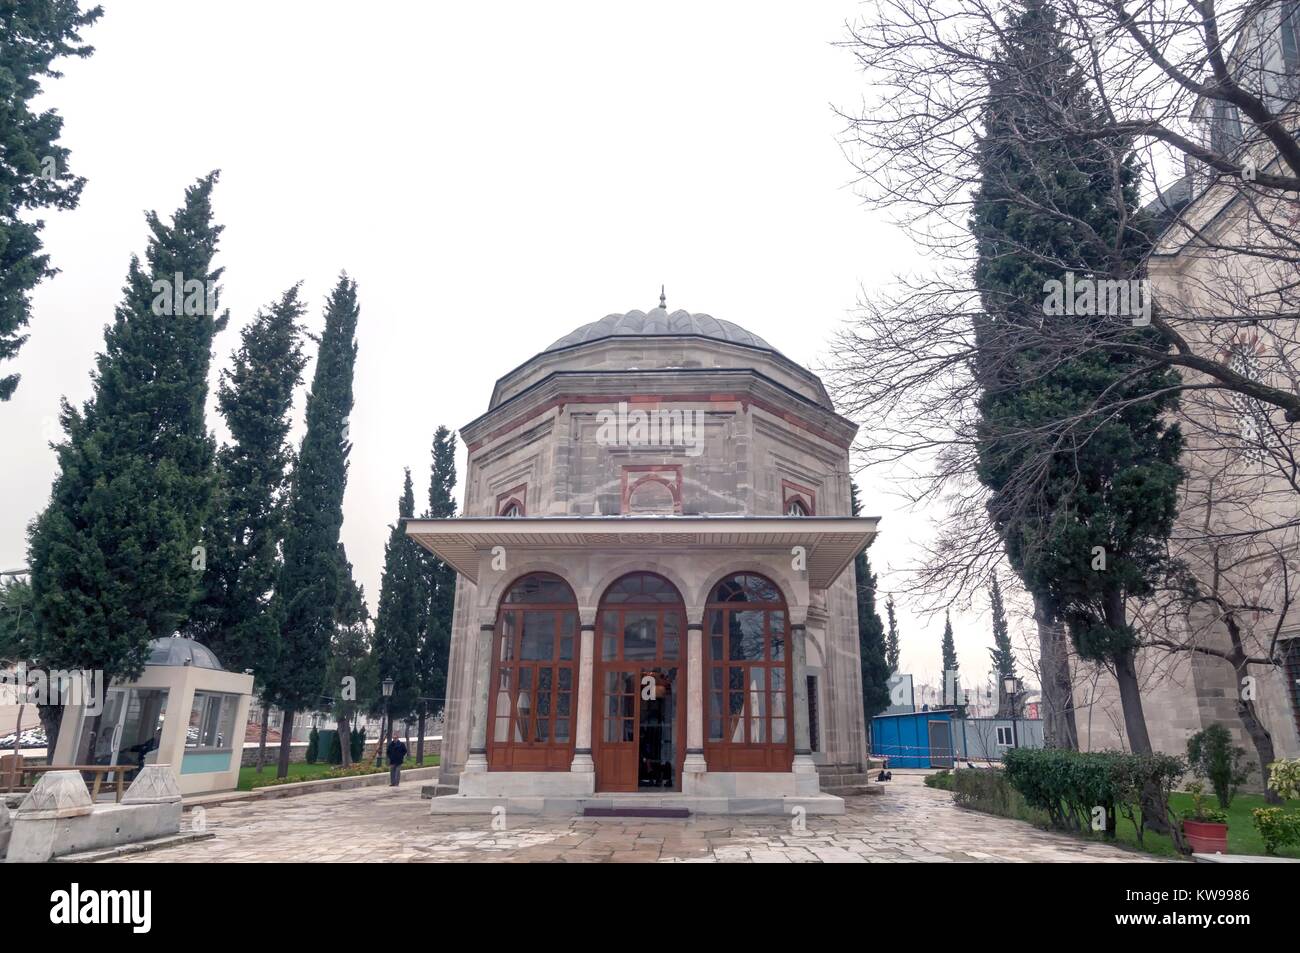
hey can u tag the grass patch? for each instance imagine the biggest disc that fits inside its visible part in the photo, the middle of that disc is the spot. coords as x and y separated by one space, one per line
987 791
301 771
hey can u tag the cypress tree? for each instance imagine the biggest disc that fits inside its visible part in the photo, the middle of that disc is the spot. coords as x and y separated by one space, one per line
1004 661
949 659
1067 499
115 555
439 589
397 621
34 170
255 397
871 633
892 648
308 587
349 678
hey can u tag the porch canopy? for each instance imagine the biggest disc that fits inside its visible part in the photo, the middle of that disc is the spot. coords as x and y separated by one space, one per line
831 542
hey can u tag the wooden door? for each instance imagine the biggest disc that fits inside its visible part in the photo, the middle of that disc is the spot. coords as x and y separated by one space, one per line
639 715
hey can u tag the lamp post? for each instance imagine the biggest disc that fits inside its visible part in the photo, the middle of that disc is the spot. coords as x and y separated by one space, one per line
1011 687
387 687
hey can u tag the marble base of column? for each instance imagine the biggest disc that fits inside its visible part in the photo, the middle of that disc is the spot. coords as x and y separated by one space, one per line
803 763
476 762
582 763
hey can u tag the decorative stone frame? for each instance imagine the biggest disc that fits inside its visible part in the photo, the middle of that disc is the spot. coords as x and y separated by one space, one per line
791 491
516 495
667 474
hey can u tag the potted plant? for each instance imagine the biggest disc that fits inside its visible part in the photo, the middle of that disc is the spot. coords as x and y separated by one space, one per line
1206 829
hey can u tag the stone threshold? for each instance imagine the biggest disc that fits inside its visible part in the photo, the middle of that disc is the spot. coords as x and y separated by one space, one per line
784 806
139 847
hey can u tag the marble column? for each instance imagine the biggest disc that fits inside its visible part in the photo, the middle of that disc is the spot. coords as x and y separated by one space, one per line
694 764
478 731
803 762
582 762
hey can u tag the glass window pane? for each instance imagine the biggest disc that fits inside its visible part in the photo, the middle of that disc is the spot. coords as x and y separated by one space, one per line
568 627
544 679
745 635
562 702
609 637
640 636
562 730
507 649
502 733
778 731
672 636
538 642
566 679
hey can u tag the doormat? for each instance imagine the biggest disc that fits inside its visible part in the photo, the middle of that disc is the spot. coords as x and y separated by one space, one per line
636 812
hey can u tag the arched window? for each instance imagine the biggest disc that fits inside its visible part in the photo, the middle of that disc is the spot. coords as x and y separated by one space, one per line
534 682
512 509
651 496
796 508
748 692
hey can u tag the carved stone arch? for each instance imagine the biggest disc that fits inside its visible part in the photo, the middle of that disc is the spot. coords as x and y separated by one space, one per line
490 593
795 595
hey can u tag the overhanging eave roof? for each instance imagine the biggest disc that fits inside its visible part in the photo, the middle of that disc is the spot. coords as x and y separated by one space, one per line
831 542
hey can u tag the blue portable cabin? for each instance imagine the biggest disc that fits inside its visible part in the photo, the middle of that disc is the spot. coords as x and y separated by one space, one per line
921 739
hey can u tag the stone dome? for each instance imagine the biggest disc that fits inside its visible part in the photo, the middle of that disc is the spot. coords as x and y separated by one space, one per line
659 322
179 651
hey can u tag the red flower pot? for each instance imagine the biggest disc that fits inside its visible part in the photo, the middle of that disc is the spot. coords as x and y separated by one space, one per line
1205 837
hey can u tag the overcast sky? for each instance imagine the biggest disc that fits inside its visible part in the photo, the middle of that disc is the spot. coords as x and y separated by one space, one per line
493 175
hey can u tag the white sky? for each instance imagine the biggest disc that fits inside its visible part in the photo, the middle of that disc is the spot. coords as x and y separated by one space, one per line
494 176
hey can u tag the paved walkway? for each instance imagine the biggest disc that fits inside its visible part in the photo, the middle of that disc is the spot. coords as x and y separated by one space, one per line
908 822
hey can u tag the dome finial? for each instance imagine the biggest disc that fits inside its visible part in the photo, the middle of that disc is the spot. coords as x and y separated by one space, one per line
663 301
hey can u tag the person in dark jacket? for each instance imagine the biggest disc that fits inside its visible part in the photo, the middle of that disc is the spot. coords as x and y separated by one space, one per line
396 755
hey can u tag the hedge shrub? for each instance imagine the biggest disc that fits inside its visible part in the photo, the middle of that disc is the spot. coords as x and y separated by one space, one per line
1071 786
987 790
942 780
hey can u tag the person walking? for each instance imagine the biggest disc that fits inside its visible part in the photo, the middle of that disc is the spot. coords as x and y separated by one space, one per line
396 752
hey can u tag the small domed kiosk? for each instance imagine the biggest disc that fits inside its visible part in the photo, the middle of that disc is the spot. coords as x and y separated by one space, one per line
185 710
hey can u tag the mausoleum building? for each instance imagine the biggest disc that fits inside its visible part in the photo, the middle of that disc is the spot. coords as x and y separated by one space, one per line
655 597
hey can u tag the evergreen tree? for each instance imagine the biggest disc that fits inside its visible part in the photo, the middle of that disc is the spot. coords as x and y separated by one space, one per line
439 592
34 170
350 678
397 622
114 556
17 623
871 633
893 650
949 660
307 591
1004 661
1064 495
255 397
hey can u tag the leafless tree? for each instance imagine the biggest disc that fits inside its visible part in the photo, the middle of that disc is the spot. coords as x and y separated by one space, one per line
1205 95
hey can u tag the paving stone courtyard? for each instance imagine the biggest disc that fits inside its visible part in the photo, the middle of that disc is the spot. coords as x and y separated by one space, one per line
908 822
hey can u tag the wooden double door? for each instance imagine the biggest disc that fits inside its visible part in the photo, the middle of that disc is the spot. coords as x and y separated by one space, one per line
639 715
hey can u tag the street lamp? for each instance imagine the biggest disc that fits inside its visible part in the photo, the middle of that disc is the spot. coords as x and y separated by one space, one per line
387 687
